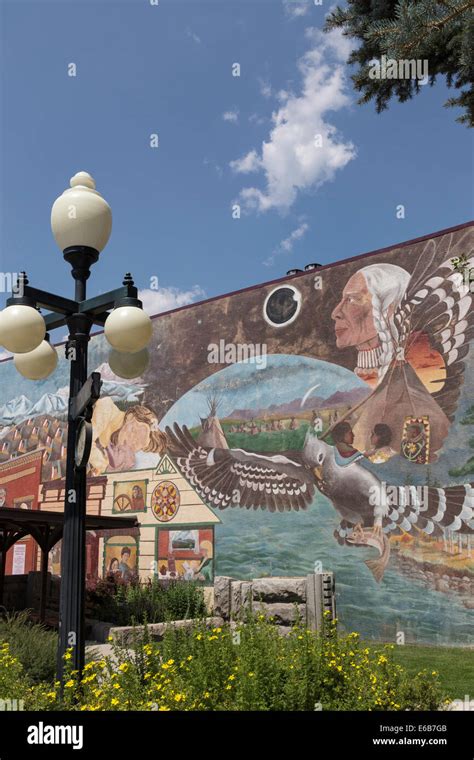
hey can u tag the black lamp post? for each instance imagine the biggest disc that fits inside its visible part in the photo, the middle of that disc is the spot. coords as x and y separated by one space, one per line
81 215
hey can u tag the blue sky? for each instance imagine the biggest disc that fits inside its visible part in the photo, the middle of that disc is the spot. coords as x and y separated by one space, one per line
167 69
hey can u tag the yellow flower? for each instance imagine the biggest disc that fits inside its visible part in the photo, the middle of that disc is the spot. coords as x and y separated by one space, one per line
199 636
170 662
232 677
69 684
206 695
162 708
179 697
123 667
190 657
250 675
68 656
115 701
116 686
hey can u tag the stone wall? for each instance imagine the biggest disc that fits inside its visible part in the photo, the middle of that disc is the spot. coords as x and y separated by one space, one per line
284 599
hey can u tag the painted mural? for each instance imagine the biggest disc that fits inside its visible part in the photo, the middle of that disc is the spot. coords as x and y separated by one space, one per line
320 422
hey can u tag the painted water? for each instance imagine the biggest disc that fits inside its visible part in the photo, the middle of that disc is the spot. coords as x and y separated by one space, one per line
252 543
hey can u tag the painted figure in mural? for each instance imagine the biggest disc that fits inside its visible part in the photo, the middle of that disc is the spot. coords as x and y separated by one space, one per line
205 570
286 481
397 321
343 437
124 568
380 440
138 502
124 440
114 566
364 315
3 497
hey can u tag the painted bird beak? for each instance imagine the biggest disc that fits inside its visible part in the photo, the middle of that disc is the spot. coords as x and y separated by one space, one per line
318 471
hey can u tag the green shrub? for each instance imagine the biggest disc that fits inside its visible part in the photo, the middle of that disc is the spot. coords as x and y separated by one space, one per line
152 602
34 645
248 667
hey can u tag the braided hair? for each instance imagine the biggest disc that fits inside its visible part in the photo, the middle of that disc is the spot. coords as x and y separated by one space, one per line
387 284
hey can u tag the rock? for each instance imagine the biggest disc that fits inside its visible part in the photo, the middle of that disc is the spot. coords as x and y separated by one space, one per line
283 614
97 630
235 598
127 635
222 596
284 630
246 589
279 589
442 585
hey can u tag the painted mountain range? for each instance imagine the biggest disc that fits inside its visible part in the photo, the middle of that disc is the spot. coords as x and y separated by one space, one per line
337 399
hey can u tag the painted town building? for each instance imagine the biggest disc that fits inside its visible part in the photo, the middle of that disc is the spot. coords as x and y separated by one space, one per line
322 421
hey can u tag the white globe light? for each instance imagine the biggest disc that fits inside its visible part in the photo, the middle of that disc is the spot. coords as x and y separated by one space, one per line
80 216
37 364
22 328
128 329
128 366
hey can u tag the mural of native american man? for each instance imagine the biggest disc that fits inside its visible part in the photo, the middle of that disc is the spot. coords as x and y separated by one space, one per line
396 320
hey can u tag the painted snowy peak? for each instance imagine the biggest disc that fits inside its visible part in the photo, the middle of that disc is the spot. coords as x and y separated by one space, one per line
22 408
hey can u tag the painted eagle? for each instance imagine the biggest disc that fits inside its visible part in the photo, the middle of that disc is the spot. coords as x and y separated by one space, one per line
287 481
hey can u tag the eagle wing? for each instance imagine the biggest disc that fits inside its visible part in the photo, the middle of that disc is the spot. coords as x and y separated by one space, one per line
439 509
440 305
234 477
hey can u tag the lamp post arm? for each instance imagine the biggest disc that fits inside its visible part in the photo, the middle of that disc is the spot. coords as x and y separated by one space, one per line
104 301
44 300
96 307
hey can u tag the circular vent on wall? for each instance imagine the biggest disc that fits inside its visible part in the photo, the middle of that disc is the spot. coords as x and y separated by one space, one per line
282 306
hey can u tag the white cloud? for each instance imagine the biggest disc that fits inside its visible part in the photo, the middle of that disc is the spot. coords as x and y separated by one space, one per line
265 88
232 116
248 163
294 158
286 245
295 9
165 299
193 36
254 118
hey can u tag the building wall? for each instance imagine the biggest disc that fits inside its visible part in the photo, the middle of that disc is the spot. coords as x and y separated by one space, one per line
20 480
381 339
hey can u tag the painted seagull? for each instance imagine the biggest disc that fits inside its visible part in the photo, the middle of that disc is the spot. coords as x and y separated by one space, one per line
287 481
